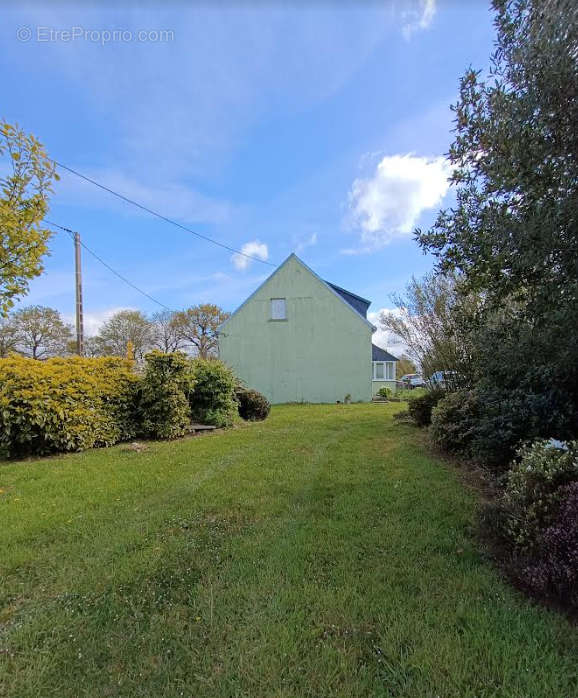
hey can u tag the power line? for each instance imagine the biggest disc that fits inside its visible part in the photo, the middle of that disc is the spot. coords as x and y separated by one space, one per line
160 215
116 273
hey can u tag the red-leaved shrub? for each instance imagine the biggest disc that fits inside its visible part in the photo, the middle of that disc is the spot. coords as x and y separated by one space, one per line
553 571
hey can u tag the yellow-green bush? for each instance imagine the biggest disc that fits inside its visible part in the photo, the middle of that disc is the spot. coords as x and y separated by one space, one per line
65 404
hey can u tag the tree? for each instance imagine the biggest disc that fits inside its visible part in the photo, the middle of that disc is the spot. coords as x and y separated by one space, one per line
23 204
513 233
404 366
197 327
93 347
435 320
166 335
8 336
123 327
41 332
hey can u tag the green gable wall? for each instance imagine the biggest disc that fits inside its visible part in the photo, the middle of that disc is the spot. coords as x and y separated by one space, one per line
320 353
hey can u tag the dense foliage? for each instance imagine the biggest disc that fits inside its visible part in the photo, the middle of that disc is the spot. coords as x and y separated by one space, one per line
124 327
65 404
26 181
454 422
512 241
70 404
164 395
489 426
531 492
420 407
512 236
213 399
552 569
535 518
253 406
197 327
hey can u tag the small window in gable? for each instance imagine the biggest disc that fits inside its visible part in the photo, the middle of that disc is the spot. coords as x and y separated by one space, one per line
278 309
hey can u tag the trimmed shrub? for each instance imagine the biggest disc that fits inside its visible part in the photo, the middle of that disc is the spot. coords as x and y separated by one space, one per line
253 406
536 519
213 399
508 419
553 569
454 421
65 404
489 426
164 403
118 387
420 408
532 488
385 392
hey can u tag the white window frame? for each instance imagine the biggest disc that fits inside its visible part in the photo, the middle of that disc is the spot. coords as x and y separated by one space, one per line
275 313
388 371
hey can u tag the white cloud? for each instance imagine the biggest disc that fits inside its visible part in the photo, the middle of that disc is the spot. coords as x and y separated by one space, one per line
305 243
350 251
417 16
255 249
384 338
389 203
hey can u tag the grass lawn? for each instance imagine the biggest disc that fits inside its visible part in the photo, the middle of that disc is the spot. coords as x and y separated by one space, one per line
321 553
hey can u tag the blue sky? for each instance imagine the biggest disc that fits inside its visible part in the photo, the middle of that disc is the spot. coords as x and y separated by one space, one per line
318 128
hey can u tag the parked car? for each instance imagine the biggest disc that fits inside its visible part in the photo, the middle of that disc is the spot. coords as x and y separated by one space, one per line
443 379
412 380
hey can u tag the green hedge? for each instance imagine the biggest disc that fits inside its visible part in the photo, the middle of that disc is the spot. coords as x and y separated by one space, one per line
420 408
70 404
65 404
454 422
213 399
164 395
253 406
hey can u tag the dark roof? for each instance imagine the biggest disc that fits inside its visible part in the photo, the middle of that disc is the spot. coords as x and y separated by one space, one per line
379 354
358 303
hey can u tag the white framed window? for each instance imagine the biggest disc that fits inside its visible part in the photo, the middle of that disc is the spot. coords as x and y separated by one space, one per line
383 371
278 309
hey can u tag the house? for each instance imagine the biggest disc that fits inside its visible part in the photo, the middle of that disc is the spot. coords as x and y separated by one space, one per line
298 338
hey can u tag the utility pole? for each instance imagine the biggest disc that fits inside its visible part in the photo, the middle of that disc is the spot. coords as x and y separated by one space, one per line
79 319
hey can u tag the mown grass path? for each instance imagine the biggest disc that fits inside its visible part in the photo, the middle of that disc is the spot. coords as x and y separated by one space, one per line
321 553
